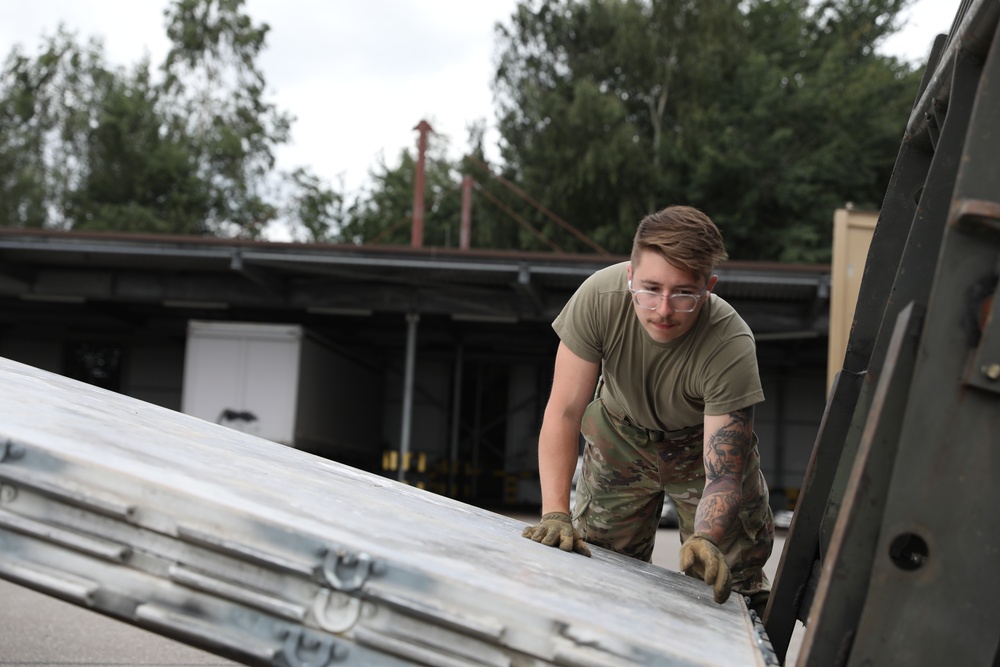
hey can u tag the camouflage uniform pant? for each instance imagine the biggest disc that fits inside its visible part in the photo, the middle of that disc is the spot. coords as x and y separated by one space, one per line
628 469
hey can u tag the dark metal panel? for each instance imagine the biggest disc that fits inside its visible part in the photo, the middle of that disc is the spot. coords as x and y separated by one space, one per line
905 586
832 623
929 601
901 263
939 536
798 568
790 596
917 265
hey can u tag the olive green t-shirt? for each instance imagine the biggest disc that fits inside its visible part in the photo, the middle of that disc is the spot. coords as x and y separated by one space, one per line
710 370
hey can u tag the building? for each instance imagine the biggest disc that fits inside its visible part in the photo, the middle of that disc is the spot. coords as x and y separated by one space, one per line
442 358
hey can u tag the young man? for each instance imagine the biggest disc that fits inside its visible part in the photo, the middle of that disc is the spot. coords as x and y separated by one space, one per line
676 378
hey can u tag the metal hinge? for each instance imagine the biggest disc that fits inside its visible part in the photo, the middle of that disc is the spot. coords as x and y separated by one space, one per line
348 571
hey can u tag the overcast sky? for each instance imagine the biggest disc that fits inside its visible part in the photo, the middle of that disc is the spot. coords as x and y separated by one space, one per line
358 75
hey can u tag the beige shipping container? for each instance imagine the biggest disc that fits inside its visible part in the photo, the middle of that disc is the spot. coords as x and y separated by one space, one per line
852 234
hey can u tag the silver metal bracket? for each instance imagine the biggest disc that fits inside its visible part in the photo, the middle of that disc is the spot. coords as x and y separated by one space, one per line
322 650
348 571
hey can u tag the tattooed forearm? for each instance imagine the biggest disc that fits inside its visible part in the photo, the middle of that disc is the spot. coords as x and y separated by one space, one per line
727 444
719 507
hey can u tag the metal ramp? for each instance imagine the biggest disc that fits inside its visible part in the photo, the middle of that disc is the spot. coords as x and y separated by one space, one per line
270 556
889 559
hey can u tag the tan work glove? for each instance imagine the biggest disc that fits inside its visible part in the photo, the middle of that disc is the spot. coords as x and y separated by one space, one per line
556 530
700 556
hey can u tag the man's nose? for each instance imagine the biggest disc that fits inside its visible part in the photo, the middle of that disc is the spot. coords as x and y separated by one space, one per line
665 306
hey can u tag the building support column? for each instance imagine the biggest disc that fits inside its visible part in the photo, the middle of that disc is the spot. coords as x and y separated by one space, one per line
456 419
412 319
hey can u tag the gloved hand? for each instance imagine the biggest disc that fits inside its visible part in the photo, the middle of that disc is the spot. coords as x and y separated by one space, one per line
556 529
700 555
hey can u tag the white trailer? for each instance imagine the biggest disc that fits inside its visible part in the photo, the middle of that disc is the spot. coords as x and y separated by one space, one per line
281 383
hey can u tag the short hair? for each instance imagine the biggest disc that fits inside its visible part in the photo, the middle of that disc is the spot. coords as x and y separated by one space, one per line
684 236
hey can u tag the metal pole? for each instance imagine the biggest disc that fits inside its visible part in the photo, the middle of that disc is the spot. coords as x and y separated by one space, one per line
417 232
477 425
411 352
466 225
456 418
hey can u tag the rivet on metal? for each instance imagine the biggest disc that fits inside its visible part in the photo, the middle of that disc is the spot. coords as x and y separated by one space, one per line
991 371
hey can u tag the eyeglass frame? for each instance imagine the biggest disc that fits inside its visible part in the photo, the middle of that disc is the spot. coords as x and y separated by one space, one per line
665 297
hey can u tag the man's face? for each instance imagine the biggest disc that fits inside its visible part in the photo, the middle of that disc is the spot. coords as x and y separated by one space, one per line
653 273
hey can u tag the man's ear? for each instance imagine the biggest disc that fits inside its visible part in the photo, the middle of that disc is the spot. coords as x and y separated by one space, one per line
628 270
711 283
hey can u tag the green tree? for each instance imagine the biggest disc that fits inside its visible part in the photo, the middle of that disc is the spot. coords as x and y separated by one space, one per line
40 133
495 218
215 90
139 171
313 211
87 146
383 211
767 114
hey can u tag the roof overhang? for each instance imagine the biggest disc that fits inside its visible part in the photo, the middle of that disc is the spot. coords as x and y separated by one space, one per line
48 268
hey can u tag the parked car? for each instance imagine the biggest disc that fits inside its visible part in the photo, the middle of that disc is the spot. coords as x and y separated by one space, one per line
668 515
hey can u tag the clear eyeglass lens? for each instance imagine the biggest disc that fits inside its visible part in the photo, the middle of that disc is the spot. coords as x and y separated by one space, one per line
681 303
648 299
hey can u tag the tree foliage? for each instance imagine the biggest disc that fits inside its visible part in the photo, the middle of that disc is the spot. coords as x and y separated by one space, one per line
767 114
383 212
215 91
188 148
137 171
41 132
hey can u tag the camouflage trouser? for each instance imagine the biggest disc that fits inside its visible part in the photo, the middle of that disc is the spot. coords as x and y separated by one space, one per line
626 472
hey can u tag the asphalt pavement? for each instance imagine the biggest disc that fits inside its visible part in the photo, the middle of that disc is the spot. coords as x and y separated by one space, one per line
40 631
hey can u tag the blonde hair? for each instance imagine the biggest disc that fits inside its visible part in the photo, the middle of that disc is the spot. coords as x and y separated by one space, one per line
684 236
